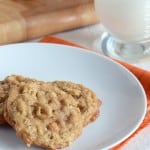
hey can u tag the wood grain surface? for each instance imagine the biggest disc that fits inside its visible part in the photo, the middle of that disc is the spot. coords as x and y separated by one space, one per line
22 20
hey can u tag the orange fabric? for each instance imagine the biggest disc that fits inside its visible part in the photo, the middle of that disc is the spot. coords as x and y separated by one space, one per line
142 75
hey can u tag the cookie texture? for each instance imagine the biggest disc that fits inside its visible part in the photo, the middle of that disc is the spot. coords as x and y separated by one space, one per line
43 115
11 80
86 99
4 88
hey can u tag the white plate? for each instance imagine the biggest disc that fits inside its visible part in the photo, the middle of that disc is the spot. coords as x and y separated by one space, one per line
123 98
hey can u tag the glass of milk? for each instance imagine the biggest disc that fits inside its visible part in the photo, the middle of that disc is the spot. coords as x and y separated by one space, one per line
127 26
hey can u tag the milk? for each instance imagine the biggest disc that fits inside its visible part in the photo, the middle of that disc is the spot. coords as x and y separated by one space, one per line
125 19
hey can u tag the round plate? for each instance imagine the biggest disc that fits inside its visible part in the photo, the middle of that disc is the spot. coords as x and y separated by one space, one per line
123 98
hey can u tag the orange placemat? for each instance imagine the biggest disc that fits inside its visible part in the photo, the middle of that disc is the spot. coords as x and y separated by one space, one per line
142 75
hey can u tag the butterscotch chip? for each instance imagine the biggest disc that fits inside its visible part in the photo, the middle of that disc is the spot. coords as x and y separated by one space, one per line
4 90
86 99
43 115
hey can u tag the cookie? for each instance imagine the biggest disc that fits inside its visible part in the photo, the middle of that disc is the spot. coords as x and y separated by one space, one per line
87 101
18 80
43 115
4 89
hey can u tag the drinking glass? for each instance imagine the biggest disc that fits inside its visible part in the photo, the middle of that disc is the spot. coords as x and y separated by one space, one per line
127 28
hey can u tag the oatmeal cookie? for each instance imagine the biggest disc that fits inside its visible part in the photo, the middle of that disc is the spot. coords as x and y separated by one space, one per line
43 115
18 80
11 80
87 101
4 88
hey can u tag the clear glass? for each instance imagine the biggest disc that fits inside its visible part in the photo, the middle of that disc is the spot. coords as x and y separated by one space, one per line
127 26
